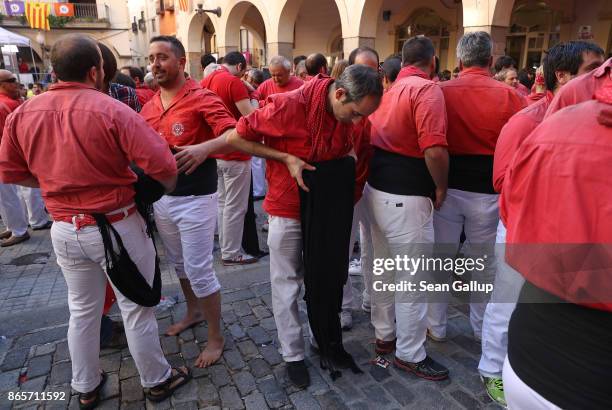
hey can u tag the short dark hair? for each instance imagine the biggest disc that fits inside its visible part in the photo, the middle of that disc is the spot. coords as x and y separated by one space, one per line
207 59
296 60
135 73
220 60
110 63
504 62
360 50
123 79
359 81
314 63
566 56
417 51
234 58
523 78
73 55
177 47
391 68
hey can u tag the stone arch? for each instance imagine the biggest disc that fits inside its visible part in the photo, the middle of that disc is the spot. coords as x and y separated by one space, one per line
502 13
288 15
369 18
196 31
237 9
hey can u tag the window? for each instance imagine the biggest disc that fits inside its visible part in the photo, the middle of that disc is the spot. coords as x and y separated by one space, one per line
426 22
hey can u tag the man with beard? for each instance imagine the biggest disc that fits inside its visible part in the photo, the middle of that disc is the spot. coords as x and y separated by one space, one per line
194 123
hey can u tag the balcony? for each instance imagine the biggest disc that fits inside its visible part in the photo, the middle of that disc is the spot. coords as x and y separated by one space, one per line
86 15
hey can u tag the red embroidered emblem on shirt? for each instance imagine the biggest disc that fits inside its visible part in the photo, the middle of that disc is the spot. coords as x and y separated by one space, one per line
177 129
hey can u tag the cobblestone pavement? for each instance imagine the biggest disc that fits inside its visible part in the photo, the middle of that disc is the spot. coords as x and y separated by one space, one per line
251 374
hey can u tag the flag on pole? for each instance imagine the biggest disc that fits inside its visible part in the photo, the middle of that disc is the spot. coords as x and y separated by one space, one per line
14 8
64 9
38 14
184 5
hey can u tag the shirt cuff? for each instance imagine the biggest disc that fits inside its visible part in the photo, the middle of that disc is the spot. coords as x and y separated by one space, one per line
430 141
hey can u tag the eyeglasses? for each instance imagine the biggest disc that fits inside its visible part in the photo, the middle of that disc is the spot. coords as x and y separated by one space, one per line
9 80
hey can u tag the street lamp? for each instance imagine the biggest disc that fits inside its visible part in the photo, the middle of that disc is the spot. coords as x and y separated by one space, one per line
201 10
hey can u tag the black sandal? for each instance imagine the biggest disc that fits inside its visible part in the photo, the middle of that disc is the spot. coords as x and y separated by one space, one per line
94 394
166 389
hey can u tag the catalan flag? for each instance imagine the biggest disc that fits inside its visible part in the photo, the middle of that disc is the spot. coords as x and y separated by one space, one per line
184 5
38 14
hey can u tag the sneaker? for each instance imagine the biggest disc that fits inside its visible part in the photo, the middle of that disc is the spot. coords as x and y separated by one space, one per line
495 389
425 369
346 320
6 234
355 267
242 259
439 339
366 305
298 374
384 347
14 240
46 225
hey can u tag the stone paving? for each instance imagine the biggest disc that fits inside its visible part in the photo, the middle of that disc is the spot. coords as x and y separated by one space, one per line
251 374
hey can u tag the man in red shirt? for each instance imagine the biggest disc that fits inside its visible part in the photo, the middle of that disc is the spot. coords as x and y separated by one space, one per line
559 240
143 92
584 87
281 80
562 62
234 168
290 138
364 55
90 174
477 107
15 217
408 168
194 123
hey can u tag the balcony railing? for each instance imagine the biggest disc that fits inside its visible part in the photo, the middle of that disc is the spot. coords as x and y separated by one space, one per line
85 11
88 12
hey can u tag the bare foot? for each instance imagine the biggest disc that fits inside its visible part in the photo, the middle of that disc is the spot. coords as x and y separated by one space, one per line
212 352
186 323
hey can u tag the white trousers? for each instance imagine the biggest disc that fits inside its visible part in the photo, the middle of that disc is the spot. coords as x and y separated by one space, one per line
520 396
34 205
11 209
80 254
361 224
234 185
508 284
186 226
258 168
478 215
287 277
401 226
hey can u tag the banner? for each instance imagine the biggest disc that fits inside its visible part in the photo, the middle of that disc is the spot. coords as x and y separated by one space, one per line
38 14
64 9
14 8
184 5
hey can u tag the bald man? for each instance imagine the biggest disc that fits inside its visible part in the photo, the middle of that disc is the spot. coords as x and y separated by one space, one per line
316 64
366 56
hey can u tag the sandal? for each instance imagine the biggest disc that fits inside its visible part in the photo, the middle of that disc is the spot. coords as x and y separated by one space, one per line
164 390
93 395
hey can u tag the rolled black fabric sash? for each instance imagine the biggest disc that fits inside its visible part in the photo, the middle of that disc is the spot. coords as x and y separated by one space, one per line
326 218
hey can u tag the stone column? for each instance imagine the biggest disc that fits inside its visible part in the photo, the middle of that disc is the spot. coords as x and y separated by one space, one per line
193 66
223 50
279 49
351 43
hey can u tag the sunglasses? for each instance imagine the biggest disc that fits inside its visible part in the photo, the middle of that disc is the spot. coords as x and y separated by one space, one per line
9 80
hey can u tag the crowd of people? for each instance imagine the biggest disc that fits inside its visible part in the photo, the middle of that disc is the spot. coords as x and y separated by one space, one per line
397 153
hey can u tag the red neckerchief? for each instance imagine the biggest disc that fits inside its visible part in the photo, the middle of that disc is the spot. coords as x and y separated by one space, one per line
315 92
411 70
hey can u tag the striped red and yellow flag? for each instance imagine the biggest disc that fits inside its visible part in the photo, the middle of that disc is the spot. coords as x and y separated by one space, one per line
38 14
183 5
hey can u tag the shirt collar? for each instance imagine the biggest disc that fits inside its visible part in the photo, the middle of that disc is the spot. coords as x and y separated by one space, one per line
475 71
601 70
188 87
66 85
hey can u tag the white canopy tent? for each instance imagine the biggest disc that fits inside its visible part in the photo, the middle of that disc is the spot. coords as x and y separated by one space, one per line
13 39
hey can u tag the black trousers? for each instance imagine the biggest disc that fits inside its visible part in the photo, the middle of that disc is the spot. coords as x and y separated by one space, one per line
326 218
250 241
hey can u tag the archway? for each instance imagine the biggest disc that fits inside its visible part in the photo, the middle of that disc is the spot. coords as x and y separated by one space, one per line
201 39
318 29
246 29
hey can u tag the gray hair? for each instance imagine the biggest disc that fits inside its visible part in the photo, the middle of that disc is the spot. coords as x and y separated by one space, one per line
474 49
501 75
359 81
210 68
280 61
148 78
